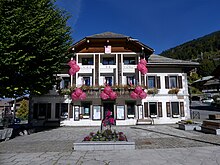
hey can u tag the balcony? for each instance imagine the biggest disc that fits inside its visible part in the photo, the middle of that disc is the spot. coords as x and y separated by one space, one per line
129 68
123 91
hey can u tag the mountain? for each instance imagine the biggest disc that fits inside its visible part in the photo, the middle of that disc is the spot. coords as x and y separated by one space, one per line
205 50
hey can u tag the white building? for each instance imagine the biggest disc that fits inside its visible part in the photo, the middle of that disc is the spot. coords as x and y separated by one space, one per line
110 58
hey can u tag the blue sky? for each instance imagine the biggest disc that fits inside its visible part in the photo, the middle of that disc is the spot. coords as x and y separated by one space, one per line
160 24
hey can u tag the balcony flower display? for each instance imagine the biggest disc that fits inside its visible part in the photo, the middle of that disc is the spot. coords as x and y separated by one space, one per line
73 67
138 93
78 94
108 93
142 66
174 91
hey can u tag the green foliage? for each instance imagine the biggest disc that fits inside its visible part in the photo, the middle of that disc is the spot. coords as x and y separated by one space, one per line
205 50
33 40
193 77
194 90
22 112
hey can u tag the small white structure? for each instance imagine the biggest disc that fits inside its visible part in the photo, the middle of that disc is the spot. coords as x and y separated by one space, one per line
111 59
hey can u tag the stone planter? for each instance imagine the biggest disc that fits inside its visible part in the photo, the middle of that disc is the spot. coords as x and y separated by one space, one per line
103 145
189 127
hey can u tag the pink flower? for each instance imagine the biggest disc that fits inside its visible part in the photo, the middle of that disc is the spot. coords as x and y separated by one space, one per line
144 70
74 96
134 95
138 90
78 92
72 71
111 121
104 96
112 95
140 66
143 61
108 113
82 96
143 95
76 68
107 90
71 63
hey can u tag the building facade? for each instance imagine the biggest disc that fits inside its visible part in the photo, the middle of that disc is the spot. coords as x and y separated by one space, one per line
110 59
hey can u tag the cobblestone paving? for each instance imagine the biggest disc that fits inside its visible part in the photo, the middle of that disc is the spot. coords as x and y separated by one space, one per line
55 147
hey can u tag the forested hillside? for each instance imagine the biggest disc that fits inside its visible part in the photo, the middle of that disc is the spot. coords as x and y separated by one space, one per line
205 50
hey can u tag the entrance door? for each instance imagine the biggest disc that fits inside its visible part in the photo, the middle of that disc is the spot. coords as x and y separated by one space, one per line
108 106
140 112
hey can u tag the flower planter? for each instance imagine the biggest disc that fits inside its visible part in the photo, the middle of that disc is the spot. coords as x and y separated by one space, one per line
189 127
103 145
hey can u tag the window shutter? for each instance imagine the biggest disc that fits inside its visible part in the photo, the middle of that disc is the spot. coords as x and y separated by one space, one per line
147 81
180 82
182 114
166 82
158 82
146 114
168 109
160 114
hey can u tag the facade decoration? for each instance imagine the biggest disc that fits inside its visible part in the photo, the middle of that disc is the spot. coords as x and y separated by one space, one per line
73 67
138 93
108 93
78 94
142 66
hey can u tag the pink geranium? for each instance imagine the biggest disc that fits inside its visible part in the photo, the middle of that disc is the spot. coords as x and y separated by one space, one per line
134 95
74 96
72 71
112 95
138 89
107 90
71 63
143 95
104 96
78 91
82 96
143 61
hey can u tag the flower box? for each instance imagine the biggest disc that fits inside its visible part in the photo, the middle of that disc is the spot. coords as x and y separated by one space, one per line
189 127
103 146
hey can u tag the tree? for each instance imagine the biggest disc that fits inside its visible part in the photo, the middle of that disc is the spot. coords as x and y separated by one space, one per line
22 111
34 37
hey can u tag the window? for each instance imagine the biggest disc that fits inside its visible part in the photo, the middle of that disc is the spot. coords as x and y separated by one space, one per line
129 61
61 110
85 109
173 82
87 61
131 109
66 82
108 61
131 80
175 108
153 108
42 111
153 82
86 81
108 81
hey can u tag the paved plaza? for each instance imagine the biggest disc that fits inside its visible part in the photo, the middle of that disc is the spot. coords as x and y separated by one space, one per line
155 144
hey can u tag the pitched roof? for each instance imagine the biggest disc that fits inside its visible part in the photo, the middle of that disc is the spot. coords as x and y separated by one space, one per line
158 59
111 35
108 35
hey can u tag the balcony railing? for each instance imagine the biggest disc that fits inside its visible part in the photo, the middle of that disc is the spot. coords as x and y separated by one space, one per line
95 91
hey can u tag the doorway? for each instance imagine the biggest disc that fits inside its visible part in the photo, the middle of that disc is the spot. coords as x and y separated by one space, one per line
108 106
